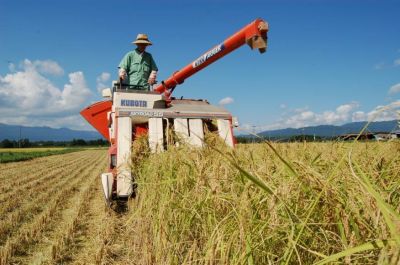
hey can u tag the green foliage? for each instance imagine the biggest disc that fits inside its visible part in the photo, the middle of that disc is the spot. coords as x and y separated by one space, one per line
11 156
25 143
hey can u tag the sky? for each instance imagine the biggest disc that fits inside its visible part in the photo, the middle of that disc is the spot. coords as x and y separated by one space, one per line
327 62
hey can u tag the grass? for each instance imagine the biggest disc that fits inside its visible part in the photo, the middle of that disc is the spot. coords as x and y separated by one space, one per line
15 155
270 203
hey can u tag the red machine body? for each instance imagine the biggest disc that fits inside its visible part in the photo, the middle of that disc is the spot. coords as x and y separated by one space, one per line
96 115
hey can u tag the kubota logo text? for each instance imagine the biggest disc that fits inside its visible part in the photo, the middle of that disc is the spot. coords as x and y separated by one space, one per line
133 103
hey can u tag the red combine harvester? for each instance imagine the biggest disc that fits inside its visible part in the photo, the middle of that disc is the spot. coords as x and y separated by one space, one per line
126 114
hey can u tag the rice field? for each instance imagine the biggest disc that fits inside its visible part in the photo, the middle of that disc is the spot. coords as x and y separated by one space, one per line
270 203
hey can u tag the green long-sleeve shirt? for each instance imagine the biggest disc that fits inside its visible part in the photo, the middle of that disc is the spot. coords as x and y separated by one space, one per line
138 68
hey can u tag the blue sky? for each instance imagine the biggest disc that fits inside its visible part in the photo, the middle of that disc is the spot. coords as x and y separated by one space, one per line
328 62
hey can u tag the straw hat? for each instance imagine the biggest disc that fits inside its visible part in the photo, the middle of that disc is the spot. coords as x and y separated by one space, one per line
142 39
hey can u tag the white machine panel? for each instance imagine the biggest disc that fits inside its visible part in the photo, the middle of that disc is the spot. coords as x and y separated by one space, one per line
190 131
107 182
138 100
181 129
196 131
225 132
124 139
111 129
156 135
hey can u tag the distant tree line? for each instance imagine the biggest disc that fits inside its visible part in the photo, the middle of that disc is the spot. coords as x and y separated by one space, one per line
24 143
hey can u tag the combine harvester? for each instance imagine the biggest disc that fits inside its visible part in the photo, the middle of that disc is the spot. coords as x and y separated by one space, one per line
127 114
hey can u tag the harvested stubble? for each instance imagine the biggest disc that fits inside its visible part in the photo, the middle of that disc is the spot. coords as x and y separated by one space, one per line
28 173
63 242
31 231
296 203
42 184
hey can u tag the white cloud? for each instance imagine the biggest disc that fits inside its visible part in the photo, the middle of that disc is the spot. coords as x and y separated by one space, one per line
101 81
346 108
396 62
74 122
342 114
305 117
27 97
394 89
299 119
385 113
283 106
75 93
358 116
44 67
226 101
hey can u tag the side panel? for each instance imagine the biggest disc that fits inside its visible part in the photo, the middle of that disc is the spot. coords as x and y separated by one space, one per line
156 135
181 129
225 132
196 132
190 131
111 129
107 182
124 142
97 115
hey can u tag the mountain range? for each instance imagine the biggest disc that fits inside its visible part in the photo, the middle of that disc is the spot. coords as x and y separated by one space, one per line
16 132
333 130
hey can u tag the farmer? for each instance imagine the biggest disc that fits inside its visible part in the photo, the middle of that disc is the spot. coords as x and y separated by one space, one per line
137 69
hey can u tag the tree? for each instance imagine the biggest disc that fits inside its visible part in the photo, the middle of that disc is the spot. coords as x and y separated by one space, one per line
78 142
7 144
25 143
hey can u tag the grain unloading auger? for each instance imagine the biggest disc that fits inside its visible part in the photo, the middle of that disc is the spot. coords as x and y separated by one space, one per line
127 114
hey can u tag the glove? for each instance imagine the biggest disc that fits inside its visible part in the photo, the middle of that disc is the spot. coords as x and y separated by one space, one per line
152 77
122 73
